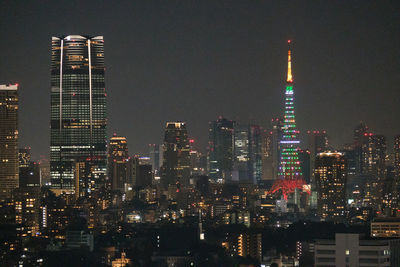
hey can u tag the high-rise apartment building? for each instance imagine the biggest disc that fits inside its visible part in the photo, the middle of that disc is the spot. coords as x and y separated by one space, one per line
330 175
9 173
78 109
176 159
373 157
118 162
317 143
220 148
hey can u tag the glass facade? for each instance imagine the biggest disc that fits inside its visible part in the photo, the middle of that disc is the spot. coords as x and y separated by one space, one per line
220 149
78 109
248 156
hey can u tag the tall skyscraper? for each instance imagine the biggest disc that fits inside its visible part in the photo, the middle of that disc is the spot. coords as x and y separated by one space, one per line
290 175
360 132
396 151
373 151
247 151
78 109
176 162
220 149
266 150
155 152
118 162
277 133
9 173
373 156
317 142
331 176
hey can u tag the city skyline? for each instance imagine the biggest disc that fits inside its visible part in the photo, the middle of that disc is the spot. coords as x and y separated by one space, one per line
197 63
199 133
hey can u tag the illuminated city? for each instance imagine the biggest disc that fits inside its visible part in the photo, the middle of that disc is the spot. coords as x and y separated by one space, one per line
199 133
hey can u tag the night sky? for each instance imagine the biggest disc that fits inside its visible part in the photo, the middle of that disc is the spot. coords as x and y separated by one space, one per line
196 60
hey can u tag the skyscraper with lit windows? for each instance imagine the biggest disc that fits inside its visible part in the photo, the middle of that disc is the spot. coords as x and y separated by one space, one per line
78 109
118 162
221 138
9 174
331 176
175 169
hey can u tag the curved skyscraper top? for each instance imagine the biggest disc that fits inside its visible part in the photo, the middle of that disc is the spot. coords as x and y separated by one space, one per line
78 109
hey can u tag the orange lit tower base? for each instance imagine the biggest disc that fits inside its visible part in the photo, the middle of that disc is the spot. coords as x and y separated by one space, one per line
290 176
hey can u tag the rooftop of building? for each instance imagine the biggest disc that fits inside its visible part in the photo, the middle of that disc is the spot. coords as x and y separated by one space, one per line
9 86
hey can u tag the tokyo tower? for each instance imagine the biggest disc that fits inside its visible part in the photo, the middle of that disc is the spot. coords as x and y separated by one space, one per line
290 177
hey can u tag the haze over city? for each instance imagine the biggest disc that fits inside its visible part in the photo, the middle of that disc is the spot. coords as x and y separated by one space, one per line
196 60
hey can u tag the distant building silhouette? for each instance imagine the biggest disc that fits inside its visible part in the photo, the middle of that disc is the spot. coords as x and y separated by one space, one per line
175 169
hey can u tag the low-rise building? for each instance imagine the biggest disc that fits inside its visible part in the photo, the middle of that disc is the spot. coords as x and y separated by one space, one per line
385 227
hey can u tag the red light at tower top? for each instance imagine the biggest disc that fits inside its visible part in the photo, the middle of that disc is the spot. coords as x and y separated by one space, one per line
289 41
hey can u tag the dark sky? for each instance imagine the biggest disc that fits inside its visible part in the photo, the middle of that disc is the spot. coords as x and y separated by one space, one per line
195 60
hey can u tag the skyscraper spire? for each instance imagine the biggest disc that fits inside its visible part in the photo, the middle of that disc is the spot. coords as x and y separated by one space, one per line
289 72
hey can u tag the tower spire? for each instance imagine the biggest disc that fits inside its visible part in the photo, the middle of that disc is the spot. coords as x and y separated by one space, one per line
289 73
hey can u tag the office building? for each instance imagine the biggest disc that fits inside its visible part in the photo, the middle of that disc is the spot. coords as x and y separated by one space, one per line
277 134
247 153
385 227
360 132
266 154
144 175
175 170
78 110
349 250
220 149
330 176
29 171
118 158
396 150
27 210
9 173
155 152
317 142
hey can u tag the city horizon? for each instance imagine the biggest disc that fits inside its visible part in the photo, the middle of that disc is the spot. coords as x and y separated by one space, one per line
252 69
